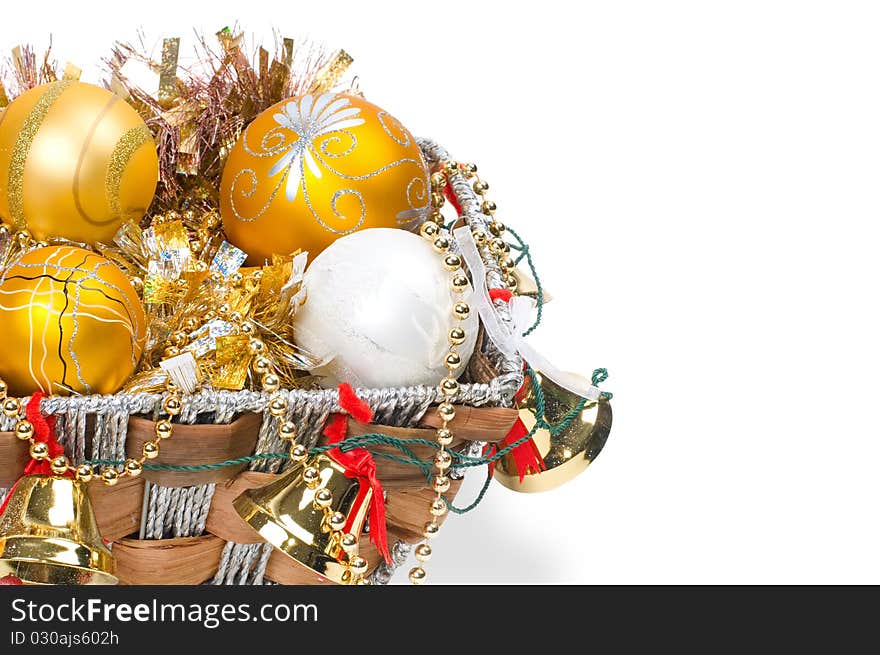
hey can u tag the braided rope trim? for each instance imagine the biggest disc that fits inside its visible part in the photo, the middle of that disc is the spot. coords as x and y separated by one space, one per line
385 401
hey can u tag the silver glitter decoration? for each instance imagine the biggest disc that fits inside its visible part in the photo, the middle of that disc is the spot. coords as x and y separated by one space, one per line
228 259
204 340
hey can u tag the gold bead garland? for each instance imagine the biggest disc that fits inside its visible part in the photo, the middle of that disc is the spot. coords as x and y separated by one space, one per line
61 465
334 522
433 230
498 247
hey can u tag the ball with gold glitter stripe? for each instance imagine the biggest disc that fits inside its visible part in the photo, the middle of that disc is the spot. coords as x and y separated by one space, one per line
70 322
75 161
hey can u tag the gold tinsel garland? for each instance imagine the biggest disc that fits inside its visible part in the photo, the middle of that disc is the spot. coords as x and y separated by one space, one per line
196 119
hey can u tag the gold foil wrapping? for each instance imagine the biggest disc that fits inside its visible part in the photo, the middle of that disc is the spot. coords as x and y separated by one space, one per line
168 72
331 72
231 362
201 301
71 72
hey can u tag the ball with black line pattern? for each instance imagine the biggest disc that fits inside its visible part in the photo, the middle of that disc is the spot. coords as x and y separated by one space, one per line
70 322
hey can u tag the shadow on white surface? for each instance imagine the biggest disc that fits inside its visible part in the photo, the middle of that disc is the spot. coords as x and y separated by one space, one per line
493 544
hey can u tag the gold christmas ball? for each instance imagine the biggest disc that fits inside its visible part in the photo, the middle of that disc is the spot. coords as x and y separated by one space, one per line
75 162
70 321
312 169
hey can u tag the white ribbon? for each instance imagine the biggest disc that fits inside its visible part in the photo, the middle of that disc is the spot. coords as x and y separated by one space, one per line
183 371
509 340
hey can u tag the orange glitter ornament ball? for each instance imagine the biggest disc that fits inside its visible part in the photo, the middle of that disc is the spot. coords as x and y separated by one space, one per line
312 169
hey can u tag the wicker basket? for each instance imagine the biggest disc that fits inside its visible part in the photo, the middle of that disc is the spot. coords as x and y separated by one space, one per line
179 527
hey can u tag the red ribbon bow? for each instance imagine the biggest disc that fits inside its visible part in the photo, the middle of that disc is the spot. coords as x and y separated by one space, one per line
449 192
501 294
526 457
359 463
44 431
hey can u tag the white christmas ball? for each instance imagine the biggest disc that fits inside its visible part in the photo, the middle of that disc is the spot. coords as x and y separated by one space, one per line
378 311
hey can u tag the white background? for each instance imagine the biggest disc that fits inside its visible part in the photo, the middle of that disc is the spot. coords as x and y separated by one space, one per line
699 184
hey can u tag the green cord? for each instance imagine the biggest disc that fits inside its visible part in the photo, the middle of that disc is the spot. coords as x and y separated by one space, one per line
379 439
477 500
528 255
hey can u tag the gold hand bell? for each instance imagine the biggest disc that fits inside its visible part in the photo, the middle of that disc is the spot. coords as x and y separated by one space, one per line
313 514
49 536
566 454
